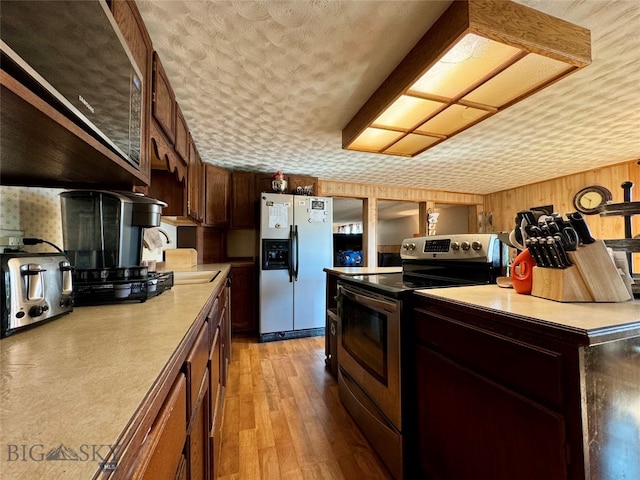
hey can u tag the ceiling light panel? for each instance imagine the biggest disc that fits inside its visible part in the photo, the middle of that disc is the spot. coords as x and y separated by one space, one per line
480 57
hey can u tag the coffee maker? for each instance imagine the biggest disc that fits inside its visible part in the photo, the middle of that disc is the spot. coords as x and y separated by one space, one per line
103 238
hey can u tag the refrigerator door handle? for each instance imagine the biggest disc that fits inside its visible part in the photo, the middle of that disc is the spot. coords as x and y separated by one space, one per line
290 254
295 276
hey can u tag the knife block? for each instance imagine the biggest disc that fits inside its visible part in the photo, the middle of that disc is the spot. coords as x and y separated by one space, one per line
593 277
560 284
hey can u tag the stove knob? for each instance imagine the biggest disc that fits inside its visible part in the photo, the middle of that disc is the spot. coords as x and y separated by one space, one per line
476 245
455 246
36 311
465 246
412 246
405 246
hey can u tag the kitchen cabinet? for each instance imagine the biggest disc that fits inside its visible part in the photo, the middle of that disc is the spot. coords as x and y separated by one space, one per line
161 453
243 198
195 182
163 105
182 135
244 299
499 397
217 186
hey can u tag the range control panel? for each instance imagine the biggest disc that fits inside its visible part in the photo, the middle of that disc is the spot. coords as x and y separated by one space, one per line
477 247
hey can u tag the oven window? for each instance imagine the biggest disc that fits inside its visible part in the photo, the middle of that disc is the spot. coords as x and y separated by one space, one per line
364 336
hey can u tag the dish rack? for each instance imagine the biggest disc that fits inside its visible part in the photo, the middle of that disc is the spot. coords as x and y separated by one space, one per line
629 244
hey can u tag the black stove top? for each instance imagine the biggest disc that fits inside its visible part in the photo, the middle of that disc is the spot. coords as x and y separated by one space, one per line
400 284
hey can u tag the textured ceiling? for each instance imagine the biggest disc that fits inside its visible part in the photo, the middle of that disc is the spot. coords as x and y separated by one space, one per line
269 85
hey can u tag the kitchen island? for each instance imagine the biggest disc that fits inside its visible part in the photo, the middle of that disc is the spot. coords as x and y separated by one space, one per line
523 387
80 394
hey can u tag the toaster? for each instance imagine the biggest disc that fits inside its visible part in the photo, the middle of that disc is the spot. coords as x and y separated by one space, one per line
35 287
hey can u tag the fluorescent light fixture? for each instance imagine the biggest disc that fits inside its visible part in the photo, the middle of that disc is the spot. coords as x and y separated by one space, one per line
479 57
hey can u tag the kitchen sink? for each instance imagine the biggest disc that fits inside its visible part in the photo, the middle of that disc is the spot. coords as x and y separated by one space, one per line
190 277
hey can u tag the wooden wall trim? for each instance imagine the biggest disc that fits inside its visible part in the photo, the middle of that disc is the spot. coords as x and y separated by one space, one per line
330 188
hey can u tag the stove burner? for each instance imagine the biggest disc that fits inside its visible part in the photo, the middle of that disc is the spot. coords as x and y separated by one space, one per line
101 286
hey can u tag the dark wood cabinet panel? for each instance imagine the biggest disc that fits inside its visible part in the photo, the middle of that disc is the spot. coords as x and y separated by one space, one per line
470 427
244 299
162 452
198 439
194 188
163 100
166 187
243 198
217 186
182 135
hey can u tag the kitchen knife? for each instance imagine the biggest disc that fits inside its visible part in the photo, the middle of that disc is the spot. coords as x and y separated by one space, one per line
562 250
532 245
547 253
577 221
555 248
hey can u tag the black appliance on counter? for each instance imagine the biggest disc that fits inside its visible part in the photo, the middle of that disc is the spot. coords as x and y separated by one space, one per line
103 237
374 346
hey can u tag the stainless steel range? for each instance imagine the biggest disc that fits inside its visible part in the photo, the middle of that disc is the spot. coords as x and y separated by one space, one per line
374 355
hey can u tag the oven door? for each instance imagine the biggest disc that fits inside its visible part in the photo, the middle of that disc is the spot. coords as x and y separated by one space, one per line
369 346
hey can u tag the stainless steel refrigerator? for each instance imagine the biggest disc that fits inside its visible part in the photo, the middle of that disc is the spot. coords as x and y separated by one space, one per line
295 245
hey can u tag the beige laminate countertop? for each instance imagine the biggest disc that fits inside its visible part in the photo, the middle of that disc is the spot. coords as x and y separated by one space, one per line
362 270
78 380
596 321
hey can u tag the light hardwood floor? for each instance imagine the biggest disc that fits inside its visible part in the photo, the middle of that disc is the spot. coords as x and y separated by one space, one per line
283 418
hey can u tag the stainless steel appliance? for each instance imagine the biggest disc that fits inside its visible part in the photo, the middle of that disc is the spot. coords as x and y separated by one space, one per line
373 353
295 245
72 54
35 287
103 236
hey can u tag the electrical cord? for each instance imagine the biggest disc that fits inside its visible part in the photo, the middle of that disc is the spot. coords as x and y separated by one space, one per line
37 241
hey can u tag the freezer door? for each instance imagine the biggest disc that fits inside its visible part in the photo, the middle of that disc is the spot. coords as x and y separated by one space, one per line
276 301
313 251
276 215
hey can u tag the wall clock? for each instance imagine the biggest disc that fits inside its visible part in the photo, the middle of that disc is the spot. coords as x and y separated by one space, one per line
590 198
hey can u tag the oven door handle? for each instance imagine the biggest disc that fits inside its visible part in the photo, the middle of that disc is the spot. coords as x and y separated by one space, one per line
373 303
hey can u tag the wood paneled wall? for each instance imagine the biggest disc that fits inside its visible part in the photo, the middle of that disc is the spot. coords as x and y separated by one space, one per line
329 188
560 192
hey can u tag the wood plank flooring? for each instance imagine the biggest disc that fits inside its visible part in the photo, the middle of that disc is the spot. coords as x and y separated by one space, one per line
283 419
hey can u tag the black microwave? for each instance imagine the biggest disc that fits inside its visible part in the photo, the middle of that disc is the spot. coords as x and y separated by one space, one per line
72 54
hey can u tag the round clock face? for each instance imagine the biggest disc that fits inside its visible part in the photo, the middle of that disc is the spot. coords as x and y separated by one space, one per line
590 198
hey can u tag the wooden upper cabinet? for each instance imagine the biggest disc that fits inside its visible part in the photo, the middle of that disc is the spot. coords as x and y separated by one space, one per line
243 197
164 100
217 186
194 184
182 135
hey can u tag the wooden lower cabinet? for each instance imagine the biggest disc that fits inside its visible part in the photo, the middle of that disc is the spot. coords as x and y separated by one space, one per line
162 450
244 299
492 400
471 427
183 439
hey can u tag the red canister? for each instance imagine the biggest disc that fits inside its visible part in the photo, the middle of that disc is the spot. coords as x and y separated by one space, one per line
522 272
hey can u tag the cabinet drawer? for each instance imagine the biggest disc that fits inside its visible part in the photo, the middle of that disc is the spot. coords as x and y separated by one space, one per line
167 436
196 364
522 367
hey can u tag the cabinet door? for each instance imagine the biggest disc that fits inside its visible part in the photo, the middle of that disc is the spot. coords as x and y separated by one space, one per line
166 439
182 136
470 427
243 197
199 436
194 192
243 298
164 101
216 196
